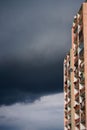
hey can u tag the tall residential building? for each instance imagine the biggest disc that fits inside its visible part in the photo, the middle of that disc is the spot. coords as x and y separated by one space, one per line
75 75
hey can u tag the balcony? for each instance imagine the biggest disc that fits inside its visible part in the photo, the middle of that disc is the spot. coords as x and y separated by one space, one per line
76 36
79 28
80 48
65 88
66 123
80 15
75 59
75 69
65 61
80 20
75 28
83 118
69 88
76 107
69 71
68 64
76 74
65 114
81 57
65 72
82 91
68 57
77 99
82 105
69 94
69 112
81 36
66 97
65 106
77 121
68 75
75 24
75 45
76 64
65 82
69 104
82 80
69 125
76 85
76 95
75 53
81 74
68 83
81 67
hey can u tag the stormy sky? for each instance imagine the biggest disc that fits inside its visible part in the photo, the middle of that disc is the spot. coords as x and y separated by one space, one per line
35 36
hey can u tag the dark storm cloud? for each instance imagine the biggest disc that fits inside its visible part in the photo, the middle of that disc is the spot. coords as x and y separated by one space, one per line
34 38
32 29
19 81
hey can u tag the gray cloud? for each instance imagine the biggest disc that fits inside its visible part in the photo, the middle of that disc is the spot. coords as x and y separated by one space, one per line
43 114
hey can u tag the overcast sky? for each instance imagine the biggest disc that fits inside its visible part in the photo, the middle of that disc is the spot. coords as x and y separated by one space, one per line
35 36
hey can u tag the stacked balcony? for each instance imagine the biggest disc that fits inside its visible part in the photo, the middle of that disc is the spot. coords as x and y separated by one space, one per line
76 74
75 101
67 90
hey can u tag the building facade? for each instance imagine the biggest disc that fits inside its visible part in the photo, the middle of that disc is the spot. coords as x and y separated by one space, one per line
75 75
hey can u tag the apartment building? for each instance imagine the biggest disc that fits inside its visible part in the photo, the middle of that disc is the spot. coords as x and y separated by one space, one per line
75 75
